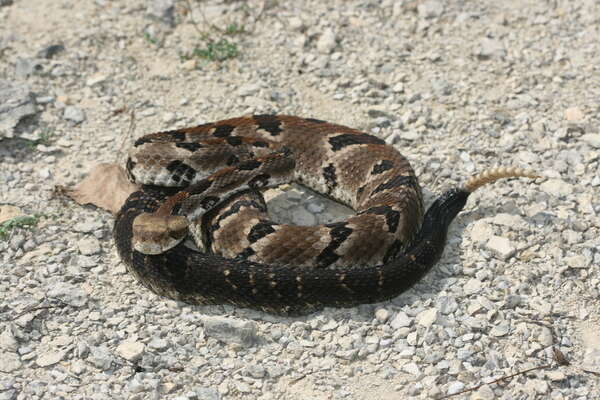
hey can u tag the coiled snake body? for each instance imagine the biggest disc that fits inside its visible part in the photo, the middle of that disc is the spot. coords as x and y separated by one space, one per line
205 180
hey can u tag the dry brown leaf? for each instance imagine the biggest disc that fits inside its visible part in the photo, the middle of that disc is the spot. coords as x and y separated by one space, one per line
9 212
106 186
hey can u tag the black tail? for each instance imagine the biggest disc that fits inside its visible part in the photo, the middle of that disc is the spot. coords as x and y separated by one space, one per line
431 239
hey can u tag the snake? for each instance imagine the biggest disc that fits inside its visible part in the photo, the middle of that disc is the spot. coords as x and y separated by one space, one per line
204 184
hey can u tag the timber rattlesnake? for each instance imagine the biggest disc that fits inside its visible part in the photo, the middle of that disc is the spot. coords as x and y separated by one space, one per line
205 180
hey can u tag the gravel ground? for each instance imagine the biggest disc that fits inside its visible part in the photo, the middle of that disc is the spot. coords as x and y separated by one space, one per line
457 86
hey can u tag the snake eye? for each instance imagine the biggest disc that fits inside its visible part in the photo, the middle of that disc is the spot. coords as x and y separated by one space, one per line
209 202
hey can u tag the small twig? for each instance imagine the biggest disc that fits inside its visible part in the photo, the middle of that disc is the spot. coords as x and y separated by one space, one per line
508 377
131 123
205 35
591 372
297 379
37 308
119 110
127 137
541 323
194 23
559 357
261 11
30 311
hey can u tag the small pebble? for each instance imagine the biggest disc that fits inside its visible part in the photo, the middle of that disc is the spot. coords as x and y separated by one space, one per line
455 387
573 114
427 318
484 393
501 246
230 330
382 315
131 351
326 42
557 188
88 246
10 362
49 358
74 114
401 320
430 9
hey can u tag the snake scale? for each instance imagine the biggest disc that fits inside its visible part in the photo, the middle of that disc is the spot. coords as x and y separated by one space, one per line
205 181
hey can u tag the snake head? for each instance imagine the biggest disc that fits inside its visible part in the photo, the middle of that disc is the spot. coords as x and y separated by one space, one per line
154 234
